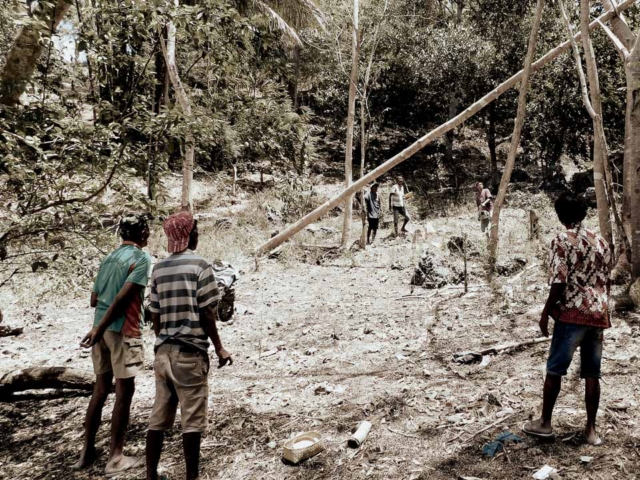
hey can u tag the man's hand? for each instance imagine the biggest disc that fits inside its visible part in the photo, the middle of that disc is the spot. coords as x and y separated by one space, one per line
224 358
544 324
91 338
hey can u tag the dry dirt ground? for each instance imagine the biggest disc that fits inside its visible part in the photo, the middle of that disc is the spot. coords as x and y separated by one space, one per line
324 346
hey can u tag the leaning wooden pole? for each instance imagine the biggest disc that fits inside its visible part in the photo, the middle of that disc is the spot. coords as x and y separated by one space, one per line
433 135
517 133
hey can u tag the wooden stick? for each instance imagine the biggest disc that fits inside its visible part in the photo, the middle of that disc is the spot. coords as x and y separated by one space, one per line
622 50
408 435
428 138
508 346
489 427
494 233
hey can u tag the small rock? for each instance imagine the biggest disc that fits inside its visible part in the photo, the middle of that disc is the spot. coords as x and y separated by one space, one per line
272 445
586 459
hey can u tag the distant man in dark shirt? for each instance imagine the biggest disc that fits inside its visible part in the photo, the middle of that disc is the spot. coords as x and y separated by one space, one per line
374 210
579 269
183 305
116 341
484 201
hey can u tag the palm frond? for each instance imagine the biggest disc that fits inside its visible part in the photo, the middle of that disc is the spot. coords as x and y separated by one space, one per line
289 33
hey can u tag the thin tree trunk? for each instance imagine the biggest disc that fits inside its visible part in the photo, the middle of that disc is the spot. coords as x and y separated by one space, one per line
22 59
517 132
348 158
169 51
599 160
438 132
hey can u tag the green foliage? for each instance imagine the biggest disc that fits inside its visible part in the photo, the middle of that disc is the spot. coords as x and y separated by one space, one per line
298 198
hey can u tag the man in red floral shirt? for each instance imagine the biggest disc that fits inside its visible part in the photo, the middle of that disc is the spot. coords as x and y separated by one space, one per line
580 265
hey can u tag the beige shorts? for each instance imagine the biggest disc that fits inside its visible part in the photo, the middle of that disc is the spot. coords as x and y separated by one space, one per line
117 353
181 378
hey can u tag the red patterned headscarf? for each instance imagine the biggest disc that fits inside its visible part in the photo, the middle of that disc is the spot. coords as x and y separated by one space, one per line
178 228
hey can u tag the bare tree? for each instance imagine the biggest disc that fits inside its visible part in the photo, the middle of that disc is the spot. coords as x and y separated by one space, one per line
169 51
517 131
348 157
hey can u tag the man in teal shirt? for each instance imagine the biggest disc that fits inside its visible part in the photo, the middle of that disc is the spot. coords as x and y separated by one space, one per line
115 340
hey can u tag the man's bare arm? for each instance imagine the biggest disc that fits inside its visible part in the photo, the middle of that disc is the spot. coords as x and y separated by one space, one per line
94 300
208 317
155 323
555 295
116 309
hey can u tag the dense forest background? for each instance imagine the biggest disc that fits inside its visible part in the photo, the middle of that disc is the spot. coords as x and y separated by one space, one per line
268 85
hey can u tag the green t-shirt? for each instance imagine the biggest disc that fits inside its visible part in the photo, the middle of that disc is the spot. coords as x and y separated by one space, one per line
126 264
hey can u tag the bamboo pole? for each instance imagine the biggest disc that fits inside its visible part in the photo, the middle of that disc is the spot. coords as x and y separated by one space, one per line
517 133
433 135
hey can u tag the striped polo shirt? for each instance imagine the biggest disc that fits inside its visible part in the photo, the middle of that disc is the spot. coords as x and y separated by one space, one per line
181 285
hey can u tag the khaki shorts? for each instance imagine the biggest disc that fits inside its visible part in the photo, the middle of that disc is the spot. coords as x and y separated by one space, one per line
180 378
117 353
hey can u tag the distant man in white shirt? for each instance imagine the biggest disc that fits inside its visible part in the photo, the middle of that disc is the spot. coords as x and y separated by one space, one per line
397 205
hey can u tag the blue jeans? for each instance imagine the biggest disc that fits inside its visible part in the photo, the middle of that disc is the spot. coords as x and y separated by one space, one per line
566 339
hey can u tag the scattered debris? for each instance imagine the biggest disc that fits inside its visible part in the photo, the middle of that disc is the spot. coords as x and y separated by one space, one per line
269 353
457 246
467 357
431 273
493 448
544 473
511 266
359 436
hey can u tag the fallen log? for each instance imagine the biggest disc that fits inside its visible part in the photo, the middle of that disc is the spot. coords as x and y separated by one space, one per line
430 137
10 332
46 377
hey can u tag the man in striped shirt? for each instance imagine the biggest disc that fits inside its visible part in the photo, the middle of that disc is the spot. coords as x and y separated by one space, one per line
184 297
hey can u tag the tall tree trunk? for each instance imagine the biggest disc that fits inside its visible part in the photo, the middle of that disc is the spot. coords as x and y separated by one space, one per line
169 51
626 36
633 67
599 161
435 134
348 157
517 132
491 143
22 59
158 97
